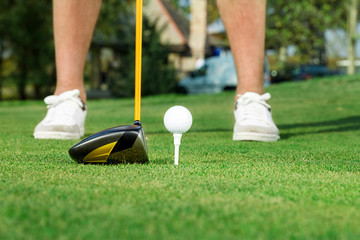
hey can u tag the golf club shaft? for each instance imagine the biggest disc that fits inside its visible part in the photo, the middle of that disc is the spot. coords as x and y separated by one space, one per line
138 55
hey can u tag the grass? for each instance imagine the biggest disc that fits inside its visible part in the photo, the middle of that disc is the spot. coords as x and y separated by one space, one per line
306 186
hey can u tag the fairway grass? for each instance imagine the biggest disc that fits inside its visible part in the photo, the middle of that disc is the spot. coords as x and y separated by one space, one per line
305 186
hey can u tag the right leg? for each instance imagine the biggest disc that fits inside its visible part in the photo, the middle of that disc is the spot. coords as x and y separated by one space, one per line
244 21
74 23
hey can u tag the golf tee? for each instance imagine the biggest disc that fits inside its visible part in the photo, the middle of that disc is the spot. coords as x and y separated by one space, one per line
177 141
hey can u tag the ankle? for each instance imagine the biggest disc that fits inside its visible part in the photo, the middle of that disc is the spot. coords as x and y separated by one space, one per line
82 95
238 94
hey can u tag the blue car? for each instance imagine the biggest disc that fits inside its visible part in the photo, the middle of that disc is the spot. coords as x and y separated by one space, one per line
217 74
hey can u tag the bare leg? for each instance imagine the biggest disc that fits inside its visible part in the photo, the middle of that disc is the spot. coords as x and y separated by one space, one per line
74 23
244 21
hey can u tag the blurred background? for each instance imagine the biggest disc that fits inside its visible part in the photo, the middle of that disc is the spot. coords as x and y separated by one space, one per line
185 47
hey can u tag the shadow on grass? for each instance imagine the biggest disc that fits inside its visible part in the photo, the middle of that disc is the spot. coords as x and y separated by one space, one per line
339 125
332 126
191 130
160 161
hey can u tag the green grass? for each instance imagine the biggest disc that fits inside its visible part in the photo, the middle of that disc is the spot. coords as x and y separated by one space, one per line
306 186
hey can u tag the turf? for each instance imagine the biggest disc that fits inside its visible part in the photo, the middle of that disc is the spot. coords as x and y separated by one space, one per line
305 186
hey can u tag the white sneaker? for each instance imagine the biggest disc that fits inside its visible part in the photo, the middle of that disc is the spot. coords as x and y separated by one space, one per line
253 120
65 118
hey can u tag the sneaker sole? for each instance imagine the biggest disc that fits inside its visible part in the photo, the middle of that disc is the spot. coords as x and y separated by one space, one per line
253 136
56 135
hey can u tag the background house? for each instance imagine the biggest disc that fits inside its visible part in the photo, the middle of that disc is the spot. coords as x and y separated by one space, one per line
182 35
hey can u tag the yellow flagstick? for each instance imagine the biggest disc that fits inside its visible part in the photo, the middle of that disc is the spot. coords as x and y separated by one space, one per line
138 54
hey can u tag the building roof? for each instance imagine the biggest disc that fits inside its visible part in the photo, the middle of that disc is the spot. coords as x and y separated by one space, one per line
182 23
174 27
182 26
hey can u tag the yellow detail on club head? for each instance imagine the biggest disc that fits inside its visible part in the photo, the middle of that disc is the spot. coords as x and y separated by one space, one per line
99 155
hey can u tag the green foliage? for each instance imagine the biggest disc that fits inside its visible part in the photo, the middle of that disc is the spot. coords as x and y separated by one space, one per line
158 75
213 13
183 6
116 17
302 23
26 28
306 186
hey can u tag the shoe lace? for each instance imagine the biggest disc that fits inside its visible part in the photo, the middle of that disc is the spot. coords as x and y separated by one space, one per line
253 107
62 112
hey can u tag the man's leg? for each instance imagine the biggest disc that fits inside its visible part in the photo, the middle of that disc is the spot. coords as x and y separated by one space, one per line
244 21
74 23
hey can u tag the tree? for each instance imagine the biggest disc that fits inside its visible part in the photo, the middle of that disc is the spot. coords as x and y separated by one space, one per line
27 31
113 30
303 23
3 29
183 6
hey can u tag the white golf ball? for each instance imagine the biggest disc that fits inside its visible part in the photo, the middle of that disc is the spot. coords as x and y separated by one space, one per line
177 119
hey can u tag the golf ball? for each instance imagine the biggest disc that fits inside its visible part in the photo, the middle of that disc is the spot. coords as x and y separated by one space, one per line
177 119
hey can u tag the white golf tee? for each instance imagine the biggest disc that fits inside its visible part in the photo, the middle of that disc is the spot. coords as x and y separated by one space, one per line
177 141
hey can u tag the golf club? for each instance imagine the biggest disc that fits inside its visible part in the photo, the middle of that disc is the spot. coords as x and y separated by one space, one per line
123 144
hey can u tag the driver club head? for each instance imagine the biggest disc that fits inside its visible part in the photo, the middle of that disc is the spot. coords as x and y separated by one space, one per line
122 144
